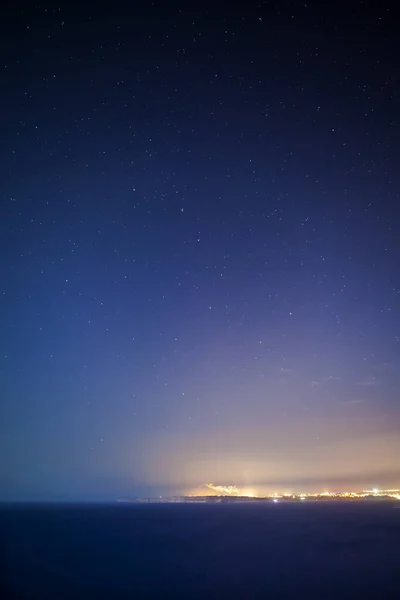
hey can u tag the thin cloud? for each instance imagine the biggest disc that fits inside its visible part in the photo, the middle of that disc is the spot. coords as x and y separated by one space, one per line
316 382
354 401
368 381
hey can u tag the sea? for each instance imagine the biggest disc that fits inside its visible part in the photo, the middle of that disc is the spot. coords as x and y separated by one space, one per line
198 551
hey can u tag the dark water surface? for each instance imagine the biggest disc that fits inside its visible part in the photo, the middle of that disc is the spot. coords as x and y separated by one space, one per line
201 551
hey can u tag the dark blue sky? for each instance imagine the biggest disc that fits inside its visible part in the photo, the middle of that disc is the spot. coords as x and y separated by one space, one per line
199 234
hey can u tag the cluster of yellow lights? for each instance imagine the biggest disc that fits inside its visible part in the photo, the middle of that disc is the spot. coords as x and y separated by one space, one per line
362 494
232 490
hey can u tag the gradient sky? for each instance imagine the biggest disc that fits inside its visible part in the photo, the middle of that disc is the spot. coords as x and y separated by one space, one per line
199 247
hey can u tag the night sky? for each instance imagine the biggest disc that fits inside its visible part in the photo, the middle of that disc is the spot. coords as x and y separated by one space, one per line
200 248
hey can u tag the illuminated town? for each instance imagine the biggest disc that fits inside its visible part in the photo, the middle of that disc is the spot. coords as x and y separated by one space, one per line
232 494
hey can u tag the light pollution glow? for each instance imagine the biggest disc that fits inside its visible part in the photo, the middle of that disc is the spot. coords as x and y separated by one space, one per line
209 489
351 454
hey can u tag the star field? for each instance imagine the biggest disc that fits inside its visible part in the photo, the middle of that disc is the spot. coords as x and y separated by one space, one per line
199 241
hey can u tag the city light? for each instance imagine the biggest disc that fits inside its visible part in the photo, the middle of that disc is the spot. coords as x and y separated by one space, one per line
210 489
232 494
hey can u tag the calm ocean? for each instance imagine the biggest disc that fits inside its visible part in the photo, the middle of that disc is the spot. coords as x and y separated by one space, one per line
201 551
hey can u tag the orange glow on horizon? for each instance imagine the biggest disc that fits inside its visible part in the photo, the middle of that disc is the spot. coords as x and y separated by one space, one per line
209 489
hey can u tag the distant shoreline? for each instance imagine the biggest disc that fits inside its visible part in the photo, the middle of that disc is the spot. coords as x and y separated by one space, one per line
259 500
392 495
